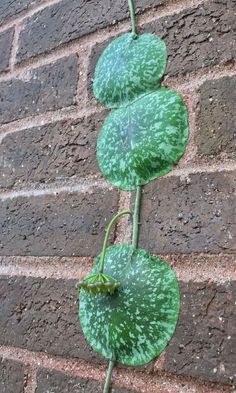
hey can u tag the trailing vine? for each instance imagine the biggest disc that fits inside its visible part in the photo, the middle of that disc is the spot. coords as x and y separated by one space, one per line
129 302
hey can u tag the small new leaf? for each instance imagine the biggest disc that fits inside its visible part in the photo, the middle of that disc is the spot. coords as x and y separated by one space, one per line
98 283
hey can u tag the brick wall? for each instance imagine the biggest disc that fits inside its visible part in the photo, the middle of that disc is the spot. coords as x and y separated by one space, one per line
55 203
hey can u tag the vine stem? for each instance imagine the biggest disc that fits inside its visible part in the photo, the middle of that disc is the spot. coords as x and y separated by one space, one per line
135 234
108 231
132 16
136 217
108 377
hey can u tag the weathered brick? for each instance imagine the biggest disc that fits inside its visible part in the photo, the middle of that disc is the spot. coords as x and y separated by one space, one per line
189 214
58 24
63 224
41 315
205 339
11 376
216 122
51 152
9 8
46 88
5 48
55 381
197 37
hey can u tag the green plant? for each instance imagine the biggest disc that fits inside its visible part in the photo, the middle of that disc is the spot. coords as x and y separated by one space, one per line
129 302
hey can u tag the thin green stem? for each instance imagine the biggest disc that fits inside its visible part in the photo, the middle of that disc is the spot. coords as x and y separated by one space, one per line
108 377
132 16
108 231
136 217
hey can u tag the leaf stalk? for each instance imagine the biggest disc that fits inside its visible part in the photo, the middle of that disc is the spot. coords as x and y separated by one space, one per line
108 231
108 377
132 16
136 217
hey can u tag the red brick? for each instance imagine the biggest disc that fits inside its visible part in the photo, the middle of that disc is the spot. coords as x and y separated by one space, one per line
60 224
52 152
197 37
54 381
11 376
58 24
194 213
41 315
205 339
10 9
47 88
216 120
5 48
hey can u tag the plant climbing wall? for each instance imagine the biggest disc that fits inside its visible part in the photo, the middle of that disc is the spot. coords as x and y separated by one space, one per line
129 303
70 164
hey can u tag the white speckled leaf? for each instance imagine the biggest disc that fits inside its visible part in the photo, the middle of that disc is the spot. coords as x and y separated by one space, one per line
128 68
135 324
144 140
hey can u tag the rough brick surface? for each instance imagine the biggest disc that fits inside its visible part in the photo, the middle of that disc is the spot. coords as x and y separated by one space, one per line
5 48
41 315
58 24
9 8
195 38
217 118
54 381
205 339
62 224
52 152
46 88
198 37
191 214
188 216
11 376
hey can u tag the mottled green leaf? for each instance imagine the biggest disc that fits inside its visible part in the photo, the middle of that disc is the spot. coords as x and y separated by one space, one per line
144 140
134 324
128 68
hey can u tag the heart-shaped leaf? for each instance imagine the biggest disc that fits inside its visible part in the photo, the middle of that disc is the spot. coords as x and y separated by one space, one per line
128 68
134 324
144 140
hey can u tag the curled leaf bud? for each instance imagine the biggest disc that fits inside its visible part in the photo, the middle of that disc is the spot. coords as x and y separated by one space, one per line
98 283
